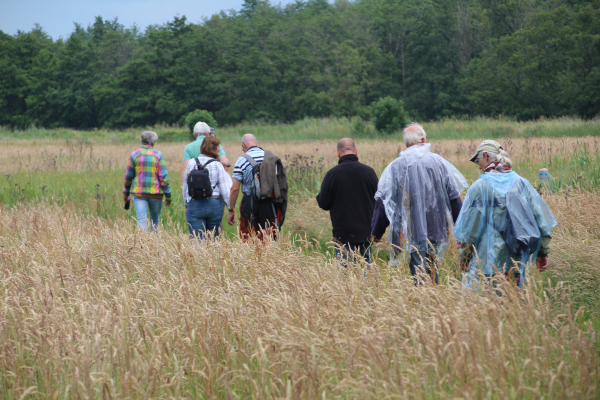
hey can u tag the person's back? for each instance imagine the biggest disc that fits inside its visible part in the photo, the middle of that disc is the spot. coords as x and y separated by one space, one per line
192 150
147 172
419 198
425 190
504 223
348 193
256 215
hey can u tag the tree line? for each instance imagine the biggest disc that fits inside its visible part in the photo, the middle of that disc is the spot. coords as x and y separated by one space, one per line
441 58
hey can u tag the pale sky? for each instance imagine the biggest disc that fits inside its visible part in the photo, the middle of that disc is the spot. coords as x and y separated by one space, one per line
57 17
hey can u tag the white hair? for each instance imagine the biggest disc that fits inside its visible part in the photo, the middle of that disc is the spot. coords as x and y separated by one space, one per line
413 133
149 138
201 128
502 157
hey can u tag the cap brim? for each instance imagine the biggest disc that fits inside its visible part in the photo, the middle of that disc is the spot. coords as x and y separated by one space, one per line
474 158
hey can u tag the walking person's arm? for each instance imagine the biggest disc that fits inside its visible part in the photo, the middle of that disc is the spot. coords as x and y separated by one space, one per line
184 172
380 221
129 176
223 158
225 161
163 178
325 199
224 185
233 195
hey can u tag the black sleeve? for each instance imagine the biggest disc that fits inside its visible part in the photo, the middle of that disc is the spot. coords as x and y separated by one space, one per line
380 221
456 206
324 198
375 181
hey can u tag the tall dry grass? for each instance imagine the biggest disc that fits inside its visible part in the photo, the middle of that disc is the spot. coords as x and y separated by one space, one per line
75 156
92 309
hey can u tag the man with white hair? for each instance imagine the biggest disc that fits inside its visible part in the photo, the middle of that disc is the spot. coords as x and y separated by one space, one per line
418 196
147 168
192 150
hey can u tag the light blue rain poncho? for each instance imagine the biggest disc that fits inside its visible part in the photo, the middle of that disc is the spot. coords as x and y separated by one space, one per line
416 189
505 219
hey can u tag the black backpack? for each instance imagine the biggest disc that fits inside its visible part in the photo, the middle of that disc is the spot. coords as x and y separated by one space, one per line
199 186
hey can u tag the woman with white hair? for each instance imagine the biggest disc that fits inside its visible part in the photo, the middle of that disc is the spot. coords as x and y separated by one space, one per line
147 172
504 223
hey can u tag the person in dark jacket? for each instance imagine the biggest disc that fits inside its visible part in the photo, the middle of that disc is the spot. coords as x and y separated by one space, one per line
348 193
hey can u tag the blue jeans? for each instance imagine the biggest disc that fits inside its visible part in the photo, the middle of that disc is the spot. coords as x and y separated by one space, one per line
143 207
364 249
203 215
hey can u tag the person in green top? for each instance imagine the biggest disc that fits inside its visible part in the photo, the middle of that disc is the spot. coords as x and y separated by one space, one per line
192 150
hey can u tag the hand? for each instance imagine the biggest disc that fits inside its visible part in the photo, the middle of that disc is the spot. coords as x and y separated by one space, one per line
458 244
231 218
541 263
376 239
126 198
168 202
464 266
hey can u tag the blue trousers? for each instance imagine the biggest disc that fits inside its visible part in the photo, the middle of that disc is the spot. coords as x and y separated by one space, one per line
204 215
147 208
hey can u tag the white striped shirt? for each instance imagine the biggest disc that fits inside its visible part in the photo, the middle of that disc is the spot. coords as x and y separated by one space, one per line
220 180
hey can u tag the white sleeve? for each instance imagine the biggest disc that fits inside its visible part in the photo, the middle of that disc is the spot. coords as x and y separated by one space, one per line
224 183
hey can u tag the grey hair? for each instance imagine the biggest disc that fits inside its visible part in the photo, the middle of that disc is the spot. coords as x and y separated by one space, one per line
149 138
502 157
201 128
413 133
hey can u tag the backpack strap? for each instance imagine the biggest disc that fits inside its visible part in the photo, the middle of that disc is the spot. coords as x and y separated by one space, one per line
204 166
251 160
209 161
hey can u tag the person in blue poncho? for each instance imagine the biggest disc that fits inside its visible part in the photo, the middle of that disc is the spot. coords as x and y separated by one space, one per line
504 222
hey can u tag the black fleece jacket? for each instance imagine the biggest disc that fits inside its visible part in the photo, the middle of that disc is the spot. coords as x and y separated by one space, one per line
348 192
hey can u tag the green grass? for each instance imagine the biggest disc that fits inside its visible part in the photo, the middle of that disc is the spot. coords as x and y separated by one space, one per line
332 128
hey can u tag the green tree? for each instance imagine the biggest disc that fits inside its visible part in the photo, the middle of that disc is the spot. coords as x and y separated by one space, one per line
388 115
199 116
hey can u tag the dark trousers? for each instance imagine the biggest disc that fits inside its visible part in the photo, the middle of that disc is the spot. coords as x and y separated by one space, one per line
342 252
423 267
258 217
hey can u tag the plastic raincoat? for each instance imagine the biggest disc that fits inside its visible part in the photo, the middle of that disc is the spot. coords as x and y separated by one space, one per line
416 190
506 221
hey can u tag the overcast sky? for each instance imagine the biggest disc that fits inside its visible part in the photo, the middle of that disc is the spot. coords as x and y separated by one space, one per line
57 16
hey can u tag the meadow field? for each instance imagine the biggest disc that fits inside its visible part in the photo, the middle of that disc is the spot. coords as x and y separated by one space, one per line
93 308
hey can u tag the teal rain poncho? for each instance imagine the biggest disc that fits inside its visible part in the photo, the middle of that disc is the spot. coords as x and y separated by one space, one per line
505 219
416 190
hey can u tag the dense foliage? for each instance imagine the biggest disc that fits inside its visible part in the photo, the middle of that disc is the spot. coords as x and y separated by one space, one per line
389 115
523 58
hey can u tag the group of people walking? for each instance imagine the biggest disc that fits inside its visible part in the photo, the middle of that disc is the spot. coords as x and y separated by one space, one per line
502 224
207 185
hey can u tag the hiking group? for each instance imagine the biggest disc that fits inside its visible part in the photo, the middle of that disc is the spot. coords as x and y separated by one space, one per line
207 185
502 224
